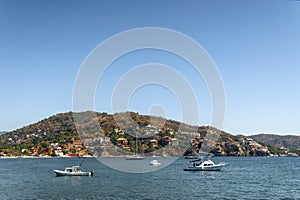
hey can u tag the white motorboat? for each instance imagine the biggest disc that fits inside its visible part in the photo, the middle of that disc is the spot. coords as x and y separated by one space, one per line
204 164
154 162
73 171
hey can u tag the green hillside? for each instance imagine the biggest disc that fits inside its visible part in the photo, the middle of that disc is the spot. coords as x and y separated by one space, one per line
99 134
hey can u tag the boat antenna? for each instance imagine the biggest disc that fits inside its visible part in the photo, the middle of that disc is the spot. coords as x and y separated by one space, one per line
81 163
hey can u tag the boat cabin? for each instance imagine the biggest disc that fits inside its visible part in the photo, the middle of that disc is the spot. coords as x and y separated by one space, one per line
206 163
72 169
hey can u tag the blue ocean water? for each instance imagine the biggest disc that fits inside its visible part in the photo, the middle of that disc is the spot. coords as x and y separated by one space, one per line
242 178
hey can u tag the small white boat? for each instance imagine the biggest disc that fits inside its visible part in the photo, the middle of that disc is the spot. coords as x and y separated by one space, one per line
154 162
73 171
204 165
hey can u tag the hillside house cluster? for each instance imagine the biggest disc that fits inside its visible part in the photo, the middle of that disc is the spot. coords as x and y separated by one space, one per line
68 149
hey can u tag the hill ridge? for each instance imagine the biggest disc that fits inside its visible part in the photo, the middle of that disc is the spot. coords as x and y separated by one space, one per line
279 141
58 135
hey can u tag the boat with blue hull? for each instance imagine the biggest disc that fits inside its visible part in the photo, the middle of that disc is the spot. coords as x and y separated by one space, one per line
204 164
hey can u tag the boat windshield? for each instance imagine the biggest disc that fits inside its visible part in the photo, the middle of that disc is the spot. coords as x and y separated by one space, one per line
68 169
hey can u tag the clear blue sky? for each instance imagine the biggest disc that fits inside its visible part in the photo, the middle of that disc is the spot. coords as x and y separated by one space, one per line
255 45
